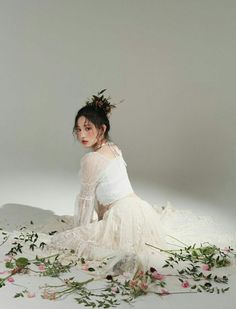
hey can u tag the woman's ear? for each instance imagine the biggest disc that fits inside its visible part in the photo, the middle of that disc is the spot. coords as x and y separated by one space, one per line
104 128
101 131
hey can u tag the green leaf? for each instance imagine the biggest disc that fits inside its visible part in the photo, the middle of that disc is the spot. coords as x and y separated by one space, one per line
42 245
32 246
101 91
18 295
181 271
208 284
9 265
52 232
22 262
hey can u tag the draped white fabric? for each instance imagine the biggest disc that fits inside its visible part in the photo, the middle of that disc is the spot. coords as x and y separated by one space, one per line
89 175
130 223
101 178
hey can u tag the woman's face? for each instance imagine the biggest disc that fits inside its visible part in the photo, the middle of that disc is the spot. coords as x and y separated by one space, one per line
86 132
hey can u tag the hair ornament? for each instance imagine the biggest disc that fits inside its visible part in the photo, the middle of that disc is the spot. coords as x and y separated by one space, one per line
99 101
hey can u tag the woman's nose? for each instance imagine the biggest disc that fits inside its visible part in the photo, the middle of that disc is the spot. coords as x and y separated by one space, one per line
82 134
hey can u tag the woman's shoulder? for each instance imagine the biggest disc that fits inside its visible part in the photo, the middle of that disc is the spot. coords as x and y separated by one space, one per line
88 156
92 158
110 150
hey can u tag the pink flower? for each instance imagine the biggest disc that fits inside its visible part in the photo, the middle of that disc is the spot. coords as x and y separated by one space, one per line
114 289
164 292
227 249
30 295
143 285
133 283
157 276
10 279
141 273
49 295
85 267
185 284
205 267
126 274
41 267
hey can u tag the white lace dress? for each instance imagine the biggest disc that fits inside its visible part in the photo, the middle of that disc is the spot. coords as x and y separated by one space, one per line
129 223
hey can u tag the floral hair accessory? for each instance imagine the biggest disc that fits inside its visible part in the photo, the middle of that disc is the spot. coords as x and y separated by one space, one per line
99 101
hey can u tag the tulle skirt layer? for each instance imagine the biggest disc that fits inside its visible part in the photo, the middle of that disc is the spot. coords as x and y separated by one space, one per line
126 227
133 232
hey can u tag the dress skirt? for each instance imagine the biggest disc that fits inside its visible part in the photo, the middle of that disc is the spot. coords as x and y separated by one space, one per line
133 232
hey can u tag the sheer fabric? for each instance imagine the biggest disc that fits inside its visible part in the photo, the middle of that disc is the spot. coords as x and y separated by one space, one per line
130 223
89 175
102 180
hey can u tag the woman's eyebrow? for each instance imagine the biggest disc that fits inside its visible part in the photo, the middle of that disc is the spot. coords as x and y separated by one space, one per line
85 125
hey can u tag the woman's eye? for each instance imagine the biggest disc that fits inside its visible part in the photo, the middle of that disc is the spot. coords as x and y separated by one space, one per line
88 128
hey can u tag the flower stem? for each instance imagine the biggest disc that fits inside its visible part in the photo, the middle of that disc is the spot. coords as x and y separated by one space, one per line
46 257
162 250
178 240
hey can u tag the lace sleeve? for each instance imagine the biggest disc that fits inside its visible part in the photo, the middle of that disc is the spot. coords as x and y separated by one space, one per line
90 170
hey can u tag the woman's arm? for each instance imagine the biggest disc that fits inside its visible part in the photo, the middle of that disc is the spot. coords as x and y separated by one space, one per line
90 171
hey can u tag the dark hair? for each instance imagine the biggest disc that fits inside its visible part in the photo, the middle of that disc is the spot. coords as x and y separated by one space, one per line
97 111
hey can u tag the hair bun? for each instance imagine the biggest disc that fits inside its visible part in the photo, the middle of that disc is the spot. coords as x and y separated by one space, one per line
100 102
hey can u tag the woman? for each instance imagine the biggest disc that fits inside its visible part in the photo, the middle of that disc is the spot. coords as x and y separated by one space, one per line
110 220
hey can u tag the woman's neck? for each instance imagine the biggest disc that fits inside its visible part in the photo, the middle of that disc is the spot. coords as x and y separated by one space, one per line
97 147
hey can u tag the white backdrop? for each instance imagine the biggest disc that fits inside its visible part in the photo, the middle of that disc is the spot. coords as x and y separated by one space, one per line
172 61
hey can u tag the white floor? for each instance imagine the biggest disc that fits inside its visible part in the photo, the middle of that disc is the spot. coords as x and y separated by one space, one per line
42 195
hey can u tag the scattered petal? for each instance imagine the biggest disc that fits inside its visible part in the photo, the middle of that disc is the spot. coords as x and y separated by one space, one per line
132 283
30 294
143 285
126 274
114 289
10 279
157 276
140 274
164 292
49 295
185 284
85 267
41 267
205 267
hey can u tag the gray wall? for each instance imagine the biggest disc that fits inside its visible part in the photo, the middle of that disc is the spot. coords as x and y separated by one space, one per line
172 61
